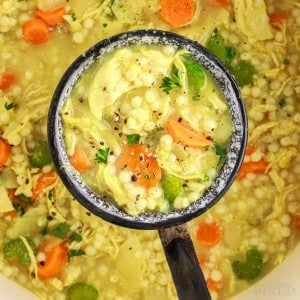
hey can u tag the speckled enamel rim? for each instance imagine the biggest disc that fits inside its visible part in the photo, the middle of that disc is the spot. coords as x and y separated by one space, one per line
92 201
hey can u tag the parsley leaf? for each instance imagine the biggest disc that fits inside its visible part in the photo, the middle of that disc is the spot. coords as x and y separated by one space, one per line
61 230
8 105
221 150
102 155
75 237
74 252
133 138
169 83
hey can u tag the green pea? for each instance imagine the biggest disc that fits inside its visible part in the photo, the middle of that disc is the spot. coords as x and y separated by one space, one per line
41 155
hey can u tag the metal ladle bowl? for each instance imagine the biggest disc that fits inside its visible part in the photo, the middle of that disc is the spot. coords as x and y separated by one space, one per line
187 275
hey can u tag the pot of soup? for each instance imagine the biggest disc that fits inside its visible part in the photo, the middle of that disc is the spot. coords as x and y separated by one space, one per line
245 243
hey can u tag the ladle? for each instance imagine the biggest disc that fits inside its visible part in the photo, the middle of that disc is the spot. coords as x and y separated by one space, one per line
187 275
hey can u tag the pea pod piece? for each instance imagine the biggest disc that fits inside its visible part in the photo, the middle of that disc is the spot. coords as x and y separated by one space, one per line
41 155
171 186
82 290
251 267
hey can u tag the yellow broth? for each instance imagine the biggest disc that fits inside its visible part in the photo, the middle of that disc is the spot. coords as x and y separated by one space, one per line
260 211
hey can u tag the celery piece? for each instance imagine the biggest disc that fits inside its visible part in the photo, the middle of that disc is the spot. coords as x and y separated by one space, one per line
172 187
82 290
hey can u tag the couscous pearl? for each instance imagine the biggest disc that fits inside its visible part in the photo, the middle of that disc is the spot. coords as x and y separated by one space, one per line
285 231
216 275
285 220
136 102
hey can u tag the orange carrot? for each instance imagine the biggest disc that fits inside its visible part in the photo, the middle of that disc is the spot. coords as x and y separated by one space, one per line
214 285
177 12
184 134
297 221
221 3
277 18
257 167
139 160
250 149
7 79
5 150
79 160
36 31
208 234
52 17
56 259
45 180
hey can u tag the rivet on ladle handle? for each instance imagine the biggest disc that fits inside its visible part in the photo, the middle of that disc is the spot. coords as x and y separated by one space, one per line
187 275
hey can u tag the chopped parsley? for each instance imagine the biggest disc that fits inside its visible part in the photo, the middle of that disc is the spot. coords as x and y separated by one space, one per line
24 198
73 16
221 151
169 83
75 237
74 252
8 105
133 138
61 230
282 102
102 155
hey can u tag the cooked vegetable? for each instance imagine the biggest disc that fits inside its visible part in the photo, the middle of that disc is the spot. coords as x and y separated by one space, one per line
257 167
56 259
75 237
61 230
243 72
52 17
133 139
79 160
221 150
177 12
5 151
208 234
195 76
277 18
35 31
251 267
172 82
182 133
7 80
172 187
102 155
41 155
139 160
16 248
222 3
75 252
44 181
82 290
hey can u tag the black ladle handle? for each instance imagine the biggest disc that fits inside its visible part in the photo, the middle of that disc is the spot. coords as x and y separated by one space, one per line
187 275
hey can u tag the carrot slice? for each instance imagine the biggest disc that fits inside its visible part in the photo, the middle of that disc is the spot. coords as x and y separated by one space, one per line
297 221
7 79
56 259
140 160
214 285
222 3
208 234
177 12
45 180
277 18
257 167
79 160
184 134
250 149
52 17
5 151
36 31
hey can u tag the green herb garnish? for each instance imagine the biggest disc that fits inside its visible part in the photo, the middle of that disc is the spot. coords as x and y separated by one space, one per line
172 82
24 198
8 105
18 208
221 150
102 155
75 237
61 230
133 138
74 252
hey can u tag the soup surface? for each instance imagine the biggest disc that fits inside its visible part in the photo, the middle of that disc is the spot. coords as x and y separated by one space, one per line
52 245
152 125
